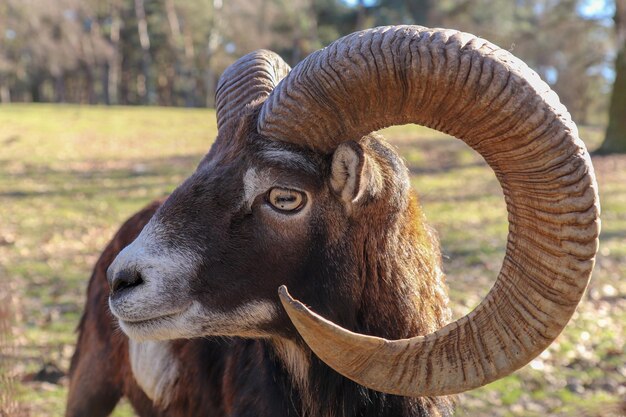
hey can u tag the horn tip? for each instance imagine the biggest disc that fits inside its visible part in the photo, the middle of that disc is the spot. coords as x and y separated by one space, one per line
289 303
283 292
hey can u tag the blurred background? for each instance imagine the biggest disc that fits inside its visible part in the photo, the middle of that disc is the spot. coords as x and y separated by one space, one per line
171 52
107 104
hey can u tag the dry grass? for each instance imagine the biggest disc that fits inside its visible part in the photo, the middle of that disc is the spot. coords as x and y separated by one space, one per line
9 406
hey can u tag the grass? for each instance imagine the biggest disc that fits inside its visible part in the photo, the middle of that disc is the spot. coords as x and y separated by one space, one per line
70 175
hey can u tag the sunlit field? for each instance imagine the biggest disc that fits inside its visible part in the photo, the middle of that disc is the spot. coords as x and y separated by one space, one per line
70 175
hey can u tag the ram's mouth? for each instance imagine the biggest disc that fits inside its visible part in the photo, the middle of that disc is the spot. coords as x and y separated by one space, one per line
161 327
148 321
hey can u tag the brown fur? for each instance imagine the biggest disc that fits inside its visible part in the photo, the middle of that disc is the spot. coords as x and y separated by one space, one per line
100 370
374 269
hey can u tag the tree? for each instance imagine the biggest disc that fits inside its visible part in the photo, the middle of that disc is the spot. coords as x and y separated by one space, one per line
615 139
171 52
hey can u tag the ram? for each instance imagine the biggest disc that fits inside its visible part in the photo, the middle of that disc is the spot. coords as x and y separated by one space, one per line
297 192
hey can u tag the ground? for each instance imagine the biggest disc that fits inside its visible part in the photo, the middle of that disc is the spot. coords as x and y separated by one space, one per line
70 175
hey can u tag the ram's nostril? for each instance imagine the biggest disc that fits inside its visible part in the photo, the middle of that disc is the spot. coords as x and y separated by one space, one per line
125 279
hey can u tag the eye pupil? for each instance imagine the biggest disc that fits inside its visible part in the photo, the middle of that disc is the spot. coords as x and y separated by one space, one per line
286 200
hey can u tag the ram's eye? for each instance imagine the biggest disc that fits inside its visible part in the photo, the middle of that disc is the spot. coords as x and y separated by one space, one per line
284 199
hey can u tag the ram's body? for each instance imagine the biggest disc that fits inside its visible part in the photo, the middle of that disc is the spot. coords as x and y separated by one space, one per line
296 193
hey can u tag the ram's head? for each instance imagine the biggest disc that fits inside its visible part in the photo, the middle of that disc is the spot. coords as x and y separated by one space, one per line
294 173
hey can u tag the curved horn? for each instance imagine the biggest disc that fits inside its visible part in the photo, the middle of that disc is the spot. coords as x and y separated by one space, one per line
250 78
469 88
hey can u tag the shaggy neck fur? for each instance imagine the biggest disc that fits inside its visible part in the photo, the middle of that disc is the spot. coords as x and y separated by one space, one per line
401 296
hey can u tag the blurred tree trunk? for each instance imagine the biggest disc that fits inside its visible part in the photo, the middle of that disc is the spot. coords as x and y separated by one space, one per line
304 32
104 81
176 42
190 55
59 88
296 46
5 92
420 11
90 84
361 15
35 90
184 55
615 139
145 88
114 64
213 43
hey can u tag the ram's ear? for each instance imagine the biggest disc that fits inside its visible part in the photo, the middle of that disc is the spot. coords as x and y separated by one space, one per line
355 175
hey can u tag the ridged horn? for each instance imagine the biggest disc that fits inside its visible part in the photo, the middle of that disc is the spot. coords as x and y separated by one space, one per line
250 78
467 87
